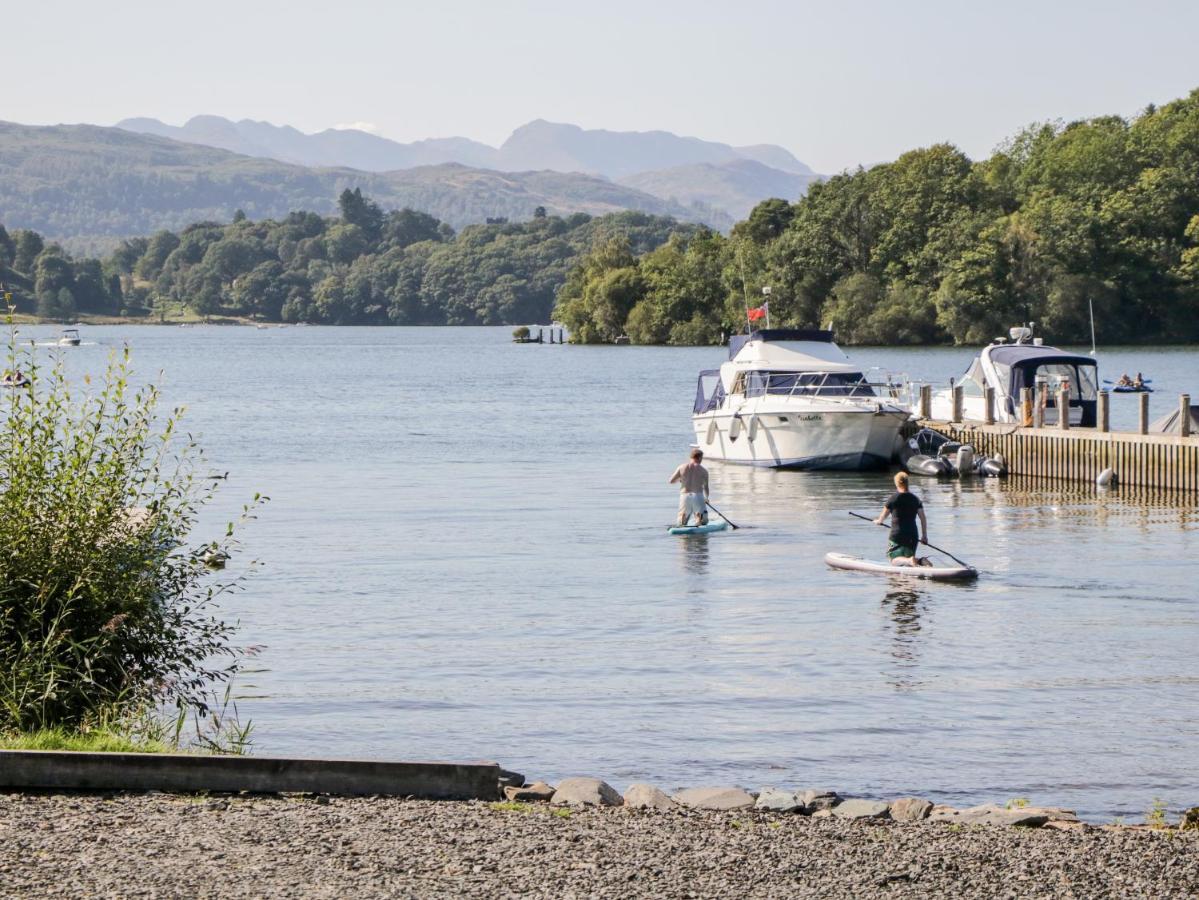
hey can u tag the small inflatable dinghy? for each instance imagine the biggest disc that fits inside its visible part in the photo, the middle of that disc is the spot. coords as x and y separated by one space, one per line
720 525
940 573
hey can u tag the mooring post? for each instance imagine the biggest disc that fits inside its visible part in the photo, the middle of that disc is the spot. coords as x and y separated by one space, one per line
1038 414
1063 408
1184 414
1026 407
1104 412
957 403
926 401
1143 414
988 405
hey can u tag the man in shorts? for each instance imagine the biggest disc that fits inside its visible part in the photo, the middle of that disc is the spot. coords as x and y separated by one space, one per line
693 489
904 508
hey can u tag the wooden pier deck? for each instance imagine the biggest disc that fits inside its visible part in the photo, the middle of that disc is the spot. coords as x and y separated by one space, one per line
1137 458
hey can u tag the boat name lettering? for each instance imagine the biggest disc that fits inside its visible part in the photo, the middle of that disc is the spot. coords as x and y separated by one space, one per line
810 418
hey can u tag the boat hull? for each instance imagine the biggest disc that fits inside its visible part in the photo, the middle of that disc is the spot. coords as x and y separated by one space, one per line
781 438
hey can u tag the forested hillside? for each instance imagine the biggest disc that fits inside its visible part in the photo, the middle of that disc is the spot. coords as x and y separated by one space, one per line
87 187
934 247
363 267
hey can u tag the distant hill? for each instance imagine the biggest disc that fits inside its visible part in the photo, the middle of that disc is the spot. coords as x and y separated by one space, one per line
683 165
735 187
91 184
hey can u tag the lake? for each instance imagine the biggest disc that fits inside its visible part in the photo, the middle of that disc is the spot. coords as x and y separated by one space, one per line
464 558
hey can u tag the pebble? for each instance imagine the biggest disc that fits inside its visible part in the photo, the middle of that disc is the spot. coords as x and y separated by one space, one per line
274 847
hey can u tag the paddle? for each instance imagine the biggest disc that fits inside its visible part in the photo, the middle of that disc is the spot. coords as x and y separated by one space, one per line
722 515
926 543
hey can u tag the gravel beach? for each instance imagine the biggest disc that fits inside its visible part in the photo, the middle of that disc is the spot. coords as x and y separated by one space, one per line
161 845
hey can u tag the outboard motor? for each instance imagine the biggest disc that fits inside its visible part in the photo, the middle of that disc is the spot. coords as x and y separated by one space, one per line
965 460
991 466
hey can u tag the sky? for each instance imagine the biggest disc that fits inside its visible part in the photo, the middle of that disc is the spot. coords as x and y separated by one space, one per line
837 83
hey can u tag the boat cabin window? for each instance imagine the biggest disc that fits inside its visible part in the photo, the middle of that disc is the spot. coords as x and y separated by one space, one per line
802 384
709 393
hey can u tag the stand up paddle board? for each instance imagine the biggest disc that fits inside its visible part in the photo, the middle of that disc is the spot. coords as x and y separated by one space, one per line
699 529
942 573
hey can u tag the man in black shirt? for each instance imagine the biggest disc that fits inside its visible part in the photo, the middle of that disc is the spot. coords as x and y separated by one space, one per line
905 508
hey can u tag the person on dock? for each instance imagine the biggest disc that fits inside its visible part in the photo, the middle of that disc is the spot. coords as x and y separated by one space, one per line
904 508
692 479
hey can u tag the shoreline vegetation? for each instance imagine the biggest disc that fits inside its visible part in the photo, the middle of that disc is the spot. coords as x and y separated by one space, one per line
933 248
108 628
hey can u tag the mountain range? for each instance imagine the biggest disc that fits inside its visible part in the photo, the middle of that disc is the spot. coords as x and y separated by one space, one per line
708 175
89 185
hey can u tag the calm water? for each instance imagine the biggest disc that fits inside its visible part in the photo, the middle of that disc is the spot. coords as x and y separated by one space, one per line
465 559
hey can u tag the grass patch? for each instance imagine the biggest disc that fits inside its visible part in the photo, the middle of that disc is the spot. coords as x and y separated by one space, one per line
509 806
81 742
561 812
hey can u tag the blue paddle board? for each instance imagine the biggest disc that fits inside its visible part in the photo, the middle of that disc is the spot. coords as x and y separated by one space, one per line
699 529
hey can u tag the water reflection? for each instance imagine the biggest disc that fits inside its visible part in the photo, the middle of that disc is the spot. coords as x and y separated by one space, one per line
904 609
694 553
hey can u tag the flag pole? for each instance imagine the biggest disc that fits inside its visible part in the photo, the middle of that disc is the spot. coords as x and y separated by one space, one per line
766 303
749 325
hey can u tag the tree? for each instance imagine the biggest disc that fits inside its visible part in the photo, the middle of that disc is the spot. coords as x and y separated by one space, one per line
357 210
27 245
8 249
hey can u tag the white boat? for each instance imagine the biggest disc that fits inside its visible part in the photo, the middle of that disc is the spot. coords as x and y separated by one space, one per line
1023 362
791 399
69 337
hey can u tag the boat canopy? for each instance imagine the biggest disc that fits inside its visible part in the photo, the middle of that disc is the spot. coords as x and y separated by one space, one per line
703 400
774 335
1022 366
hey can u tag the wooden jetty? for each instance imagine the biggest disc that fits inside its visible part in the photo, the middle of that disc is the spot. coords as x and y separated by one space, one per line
1071 453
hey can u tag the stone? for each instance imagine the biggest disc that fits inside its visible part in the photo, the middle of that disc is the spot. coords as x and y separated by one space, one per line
511 779
646 796
1029 817
586 792
860 809
814 800
910 809
825 813
538 791
775 800
1190 819
714 798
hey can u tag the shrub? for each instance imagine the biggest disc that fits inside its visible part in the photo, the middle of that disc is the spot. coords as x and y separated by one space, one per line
520 333
106 611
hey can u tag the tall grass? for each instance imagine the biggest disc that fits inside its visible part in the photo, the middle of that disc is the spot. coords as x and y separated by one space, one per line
107 610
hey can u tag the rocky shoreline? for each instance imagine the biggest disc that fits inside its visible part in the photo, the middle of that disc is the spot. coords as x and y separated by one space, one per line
707 842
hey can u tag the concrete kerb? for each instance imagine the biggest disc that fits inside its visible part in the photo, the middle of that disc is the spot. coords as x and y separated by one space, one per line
186 773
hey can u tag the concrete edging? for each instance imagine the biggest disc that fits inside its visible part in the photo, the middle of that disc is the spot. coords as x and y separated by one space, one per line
187 773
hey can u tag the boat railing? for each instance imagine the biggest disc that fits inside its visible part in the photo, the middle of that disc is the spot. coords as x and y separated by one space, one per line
819 386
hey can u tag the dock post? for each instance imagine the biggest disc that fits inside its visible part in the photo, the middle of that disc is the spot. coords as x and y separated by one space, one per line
1104 418
926 401
1184 414
988 405
1026 407
1143 414
957 403
1063 408
1038 415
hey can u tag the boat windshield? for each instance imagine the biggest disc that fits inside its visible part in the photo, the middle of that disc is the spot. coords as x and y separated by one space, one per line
804 384
1081 379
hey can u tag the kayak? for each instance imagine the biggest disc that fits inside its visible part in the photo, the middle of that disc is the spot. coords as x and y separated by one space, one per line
699 529
942 573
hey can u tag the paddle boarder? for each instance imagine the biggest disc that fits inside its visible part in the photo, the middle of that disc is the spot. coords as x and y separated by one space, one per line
692 479
904 508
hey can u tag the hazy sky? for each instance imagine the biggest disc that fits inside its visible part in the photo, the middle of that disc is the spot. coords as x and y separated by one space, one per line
837 83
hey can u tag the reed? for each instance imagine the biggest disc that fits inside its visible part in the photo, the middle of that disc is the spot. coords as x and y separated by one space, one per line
108 610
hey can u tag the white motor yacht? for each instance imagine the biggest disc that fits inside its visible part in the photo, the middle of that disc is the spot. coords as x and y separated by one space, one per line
69 338
1008 366
790 398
